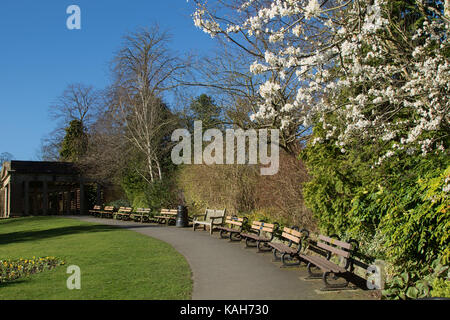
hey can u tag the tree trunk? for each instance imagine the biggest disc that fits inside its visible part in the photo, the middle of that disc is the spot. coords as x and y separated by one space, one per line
150 169
159 169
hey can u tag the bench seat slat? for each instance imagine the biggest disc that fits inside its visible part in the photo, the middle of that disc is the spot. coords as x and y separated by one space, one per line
324 264
228 229
262 228
255 237
165 217
282 247
207 223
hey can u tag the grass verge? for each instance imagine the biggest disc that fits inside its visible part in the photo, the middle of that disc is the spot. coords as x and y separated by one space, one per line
114 263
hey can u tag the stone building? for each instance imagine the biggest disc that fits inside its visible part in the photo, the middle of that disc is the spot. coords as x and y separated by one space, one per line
44 188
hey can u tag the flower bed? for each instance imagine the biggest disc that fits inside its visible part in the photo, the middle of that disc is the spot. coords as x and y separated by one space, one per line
11 270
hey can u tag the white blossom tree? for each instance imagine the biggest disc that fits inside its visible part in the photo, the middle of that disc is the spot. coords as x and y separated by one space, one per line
397 78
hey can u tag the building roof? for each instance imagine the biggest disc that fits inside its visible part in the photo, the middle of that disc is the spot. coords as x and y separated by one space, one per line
41 167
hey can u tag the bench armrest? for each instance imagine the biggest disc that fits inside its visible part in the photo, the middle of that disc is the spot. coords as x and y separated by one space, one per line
196 216
213 220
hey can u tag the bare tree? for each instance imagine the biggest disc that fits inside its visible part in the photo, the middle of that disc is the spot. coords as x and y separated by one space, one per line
51 145
107 149
77 102
144 69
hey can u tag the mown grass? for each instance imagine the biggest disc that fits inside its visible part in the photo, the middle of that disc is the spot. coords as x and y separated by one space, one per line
114 263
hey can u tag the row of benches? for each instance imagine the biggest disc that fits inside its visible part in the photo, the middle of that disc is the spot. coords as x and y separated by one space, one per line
292 247
167 216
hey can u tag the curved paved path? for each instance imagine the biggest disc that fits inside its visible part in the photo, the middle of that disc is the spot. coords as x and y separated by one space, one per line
229 271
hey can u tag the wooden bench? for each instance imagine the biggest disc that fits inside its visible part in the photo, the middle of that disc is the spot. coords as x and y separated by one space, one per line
141 215
328 247
212 219
107 211
168 216
232 228
123 213
95 211
260 235
290 246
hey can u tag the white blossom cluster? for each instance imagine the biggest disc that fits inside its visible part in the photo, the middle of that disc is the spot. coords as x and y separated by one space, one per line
348 46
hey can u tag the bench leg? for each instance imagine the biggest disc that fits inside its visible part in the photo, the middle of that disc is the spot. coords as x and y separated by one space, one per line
276 256
312 274
334 286
224 234
263 247
235 236
250 243
287 259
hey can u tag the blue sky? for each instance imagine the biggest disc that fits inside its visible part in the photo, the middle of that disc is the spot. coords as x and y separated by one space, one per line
39 56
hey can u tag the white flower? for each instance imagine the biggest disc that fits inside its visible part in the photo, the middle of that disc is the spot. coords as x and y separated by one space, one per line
312 9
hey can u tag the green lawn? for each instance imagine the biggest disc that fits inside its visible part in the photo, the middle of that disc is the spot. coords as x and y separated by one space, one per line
114 263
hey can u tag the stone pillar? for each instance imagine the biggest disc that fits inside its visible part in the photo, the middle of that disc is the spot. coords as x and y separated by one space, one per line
82 199
45 198
27 197
4 210
68 200
8 201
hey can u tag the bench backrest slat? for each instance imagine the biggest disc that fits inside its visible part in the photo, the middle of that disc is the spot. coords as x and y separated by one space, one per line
339 252
293 232
125 209
290 237
236 219
97 208
332 241
209 213
143 210
109 208
263 226
236 223
169 211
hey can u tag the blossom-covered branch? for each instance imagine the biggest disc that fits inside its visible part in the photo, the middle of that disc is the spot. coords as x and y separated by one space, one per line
395 73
